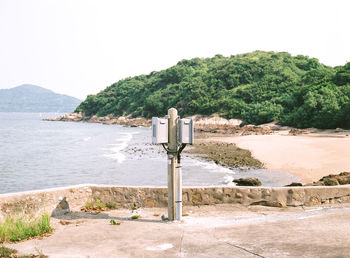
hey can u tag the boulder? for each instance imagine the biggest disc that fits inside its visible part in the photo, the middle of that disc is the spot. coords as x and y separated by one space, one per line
255 130
294 184
94 119
249 181
296 131
341 179
61 208
277 204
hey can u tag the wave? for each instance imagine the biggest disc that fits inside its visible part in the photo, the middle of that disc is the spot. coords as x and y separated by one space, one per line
211 166
115 152
228 180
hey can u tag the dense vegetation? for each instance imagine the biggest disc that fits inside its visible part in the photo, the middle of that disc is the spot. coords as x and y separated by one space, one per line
257 87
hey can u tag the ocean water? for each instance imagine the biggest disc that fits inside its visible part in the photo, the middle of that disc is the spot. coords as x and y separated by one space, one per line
37 154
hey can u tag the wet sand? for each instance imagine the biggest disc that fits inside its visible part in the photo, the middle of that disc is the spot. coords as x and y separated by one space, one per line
309 157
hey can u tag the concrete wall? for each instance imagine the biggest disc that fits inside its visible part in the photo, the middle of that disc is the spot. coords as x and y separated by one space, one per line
35 202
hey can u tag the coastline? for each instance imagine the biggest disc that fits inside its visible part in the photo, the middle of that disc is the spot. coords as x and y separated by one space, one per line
308 157
109 120
308 154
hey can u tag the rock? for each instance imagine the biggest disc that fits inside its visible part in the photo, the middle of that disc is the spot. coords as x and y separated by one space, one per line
269 203
65 222
255 130
61 208
239 195
296 131
249 181
330 181
196 198
150 203
295 184
214 119
314 200
341 179
126 121
73 117
94 119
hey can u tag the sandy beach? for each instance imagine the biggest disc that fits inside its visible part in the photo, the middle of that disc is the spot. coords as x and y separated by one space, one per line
309 157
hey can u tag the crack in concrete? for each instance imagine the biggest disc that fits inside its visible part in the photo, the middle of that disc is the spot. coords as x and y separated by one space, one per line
242 248
181 243
237 246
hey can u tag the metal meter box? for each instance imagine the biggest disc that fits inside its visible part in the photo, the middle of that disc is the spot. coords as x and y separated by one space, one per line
185 131
159 130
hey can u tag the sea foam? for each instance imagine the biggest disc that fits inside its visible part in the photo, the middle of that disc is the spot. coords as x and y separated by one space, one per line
115 151
211 166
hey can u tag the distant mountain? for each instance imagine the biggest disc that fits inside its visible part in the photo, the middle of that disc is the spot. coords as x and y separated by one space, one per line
31 98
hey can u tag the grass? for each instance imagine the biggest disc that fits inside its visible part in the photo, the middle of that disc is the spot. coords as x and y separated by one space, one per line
112 205
12 253
98 205
14 229
133 207
7 252
135 216
113 222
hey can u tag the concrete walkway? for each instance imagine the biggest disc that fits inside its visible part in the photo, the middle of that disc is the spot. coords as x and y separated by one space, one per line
208 231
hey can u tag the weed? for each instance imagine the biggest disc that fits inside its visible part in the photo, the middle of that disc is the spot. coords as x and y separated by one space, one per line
19 228
6 252
95 204
185 215
135 216
112 205
113 222
98 205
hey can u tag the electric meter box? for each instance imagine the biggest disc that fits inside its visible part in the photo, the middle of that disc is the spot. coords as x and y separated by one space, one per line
185 131
159 130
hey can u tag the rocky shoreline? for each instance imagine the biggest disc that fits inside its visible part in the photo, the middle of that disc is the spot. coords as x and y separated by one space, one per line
204 125
228 155
223 154
109 120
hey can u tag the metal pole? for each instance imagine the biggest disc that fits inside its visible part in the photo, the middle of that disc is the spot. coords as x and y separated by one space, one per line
178 192
172 159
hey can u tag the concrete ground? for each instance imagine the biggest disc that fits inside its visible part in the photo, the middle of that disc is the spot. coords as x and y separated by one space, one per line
207 231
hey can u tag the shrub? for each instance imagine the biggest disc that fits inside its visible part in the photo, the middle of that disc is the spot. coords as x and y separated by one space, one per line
98 205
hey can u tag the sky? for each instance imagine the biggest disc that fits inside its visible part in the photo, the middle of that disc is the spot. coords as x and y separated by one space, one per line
80 47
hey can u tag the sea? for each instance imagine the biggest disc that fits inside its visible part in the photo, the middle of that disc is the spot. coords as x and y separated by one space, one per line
37 154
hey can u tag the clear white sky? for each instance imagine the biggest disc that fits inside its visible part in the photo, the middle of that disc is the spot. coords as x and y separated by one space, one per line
79 47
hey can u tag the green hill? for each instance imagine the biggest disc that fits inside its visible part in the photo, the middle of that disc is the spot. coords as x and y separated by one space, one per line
31 98
257 87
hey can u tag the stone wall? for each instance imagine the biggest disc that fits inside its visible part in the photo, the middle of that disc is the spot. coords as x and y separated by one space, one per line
35 202
41 201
